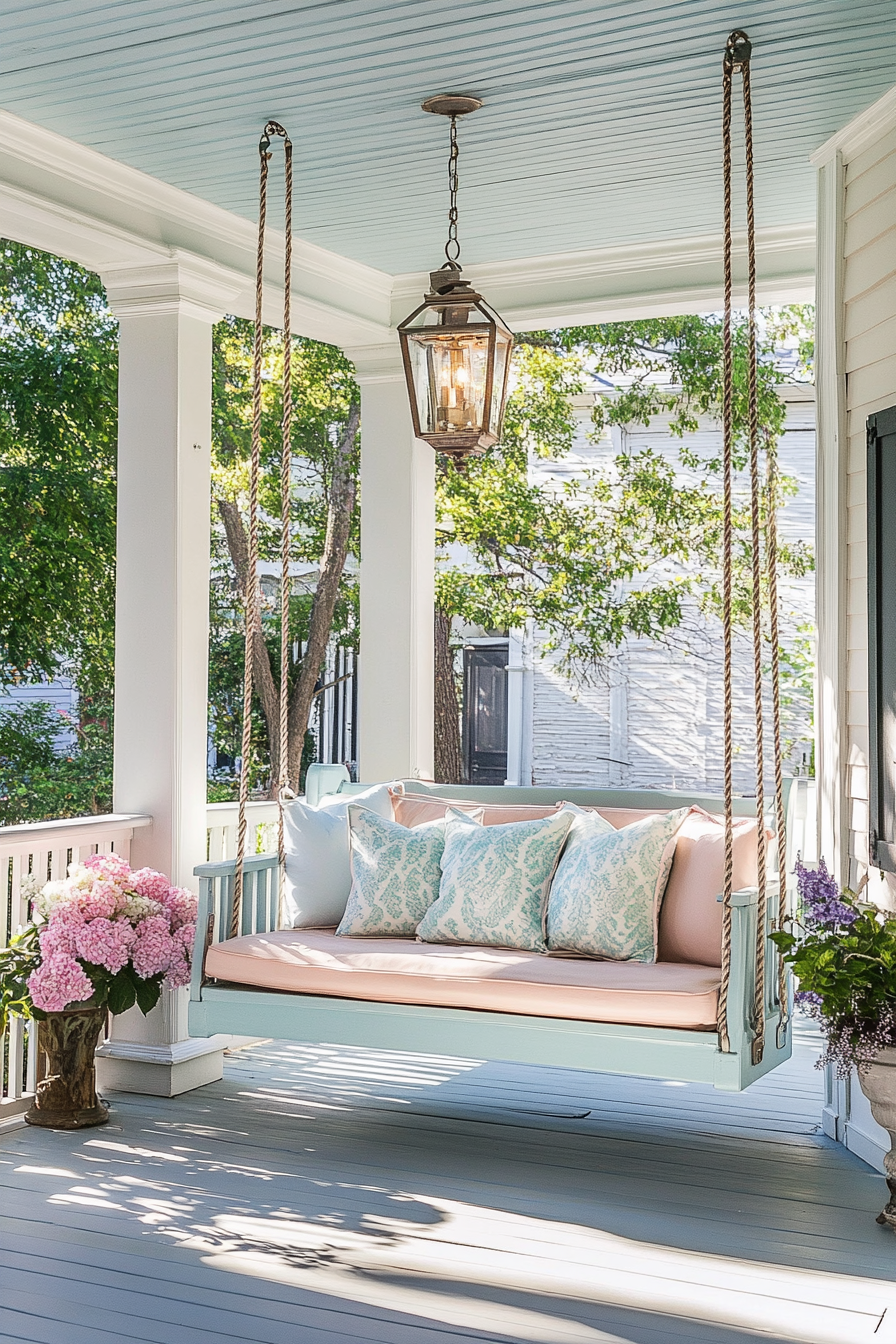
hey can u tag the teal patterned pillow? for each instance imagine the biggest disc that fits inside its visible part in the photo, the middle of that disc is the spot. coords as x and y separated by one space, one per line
606 894
495 881
395 875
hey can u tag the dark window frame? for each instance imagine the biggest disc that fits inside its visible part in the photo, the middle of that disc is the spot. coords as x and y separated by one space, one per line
881 507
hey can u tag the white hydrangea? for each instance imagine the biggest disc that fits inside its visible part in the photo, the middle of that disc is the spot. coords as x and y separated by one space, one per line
138 907
46 898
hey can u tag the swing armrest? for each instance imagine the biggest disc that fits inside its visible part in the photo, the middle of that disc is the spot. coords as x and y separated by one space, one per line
741 986
259 906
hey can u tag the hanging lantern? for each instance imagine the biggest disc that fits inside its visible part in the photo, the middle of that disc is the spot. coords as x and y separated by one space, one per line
456 349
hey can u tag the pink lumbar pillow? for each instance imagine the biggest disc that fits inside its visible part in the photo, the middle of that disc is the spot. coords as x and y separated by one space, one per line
691 915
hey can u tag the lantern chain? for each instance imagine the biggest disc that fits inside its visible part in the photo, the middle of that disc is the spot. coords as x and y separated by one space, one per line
452 247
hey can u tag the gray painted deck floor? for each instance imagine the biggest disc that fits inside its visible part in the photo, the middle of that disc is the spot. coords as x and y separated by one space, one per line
322 1195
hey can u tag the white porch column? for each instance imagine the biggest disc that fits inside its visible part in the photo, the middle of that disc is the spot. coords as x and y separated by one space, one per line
397 576
830 383
161 622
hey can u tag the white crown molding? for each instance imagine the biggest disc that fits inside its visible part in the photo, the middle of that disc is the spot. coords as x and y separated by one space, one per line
136 230
188 285
377 363
852 138
678 275
66 198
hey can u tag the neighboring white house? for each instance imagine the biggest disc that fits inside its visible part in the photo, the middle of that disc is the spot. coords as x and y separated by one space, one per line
61 693
652 716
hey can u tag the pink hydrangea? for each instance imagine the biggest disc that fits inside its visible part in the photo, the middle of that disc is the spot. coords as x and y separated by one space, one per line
182 906
60 933
59 981
100 901
105 942
153 949
186 936
178 974
147 882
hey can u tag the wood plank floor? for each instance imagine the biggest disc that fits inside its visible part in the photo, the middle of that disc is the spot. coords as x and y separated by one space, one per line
321 1195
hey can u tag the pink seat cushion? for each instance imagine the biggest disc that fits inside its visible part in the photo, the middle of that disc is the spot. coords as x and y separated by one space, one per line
400 970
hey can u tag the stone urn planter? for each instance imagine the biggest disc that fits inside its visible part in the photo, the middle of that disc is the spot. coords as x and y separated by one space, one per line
879 1085
66 1097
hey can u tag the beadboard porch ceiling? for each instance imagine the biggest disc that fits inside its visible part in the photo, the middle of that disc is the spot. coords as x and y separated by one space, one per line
600 127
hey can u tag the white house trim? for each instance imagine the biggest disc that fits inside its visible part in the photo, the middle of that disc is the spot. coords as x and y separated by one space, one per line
682 275
830 382
869 125
61 196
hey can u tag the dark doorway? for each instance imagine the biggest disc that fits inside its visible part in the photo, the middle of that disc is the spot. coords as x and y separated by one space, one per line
485 713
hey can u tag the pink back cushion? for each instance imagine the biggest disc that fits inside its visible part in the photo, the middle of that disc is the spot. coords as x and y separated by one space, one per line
411 809
691 916
690 925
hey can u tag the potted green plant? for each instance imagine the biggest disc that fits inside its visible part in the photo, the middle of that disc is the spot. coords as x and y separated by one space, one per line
843 953
103 939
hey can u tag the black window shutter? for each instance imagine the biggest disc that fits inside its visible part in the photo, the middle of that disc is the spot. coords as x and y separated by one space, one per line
882 635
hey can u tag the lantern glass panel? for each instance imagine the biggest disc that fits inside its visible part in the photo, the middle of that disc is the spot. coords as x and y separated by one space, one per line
503 345
450 380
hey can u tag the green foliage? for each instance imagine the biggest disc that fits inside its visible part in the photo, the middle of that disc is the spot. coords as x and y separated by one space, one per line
324 389
847 972
58 427
36 783
19 959
618 550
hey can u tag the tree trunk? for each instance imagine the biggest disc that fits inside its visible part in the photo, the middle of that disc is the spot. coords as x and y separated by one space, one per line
340 507
448 758
262 675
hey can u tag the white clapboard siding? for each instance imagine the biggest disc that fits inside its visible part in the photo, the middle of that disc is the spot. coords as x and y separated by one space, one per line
869 286
652 717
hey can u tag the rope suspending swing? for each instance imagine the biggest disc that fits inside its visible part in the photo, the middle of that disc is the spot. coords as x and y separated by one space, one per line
252 596
737 60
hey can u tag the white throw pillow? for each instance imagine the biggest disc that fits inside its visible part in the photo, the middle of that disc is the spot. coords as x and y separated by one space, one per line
605 896
318 876
495 882
395 875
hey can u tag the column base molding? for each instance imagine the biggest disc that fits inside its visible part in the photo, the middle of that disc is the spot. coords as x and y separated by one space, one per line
160 1070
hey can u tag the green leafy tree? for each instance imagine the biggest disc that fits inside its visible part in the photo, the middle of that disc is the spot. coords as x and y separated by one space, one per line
58 429
38 782
620 550
324 536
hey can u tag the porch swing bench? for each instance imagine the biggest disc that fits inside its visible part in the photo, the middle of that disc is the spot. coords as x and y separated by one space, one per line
707 1010
368 991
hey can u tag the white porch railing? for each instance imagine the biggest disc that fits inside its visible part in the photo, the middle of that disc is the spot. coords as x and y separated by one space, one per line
222 820
45 849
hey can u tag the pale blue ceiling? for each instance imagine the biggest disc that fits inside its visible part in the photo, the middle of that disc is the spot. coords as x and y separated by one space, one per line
600 125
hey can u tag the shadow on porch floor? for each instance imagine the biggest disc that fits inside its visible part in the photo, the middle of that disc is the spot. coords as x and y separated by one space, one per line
323 1194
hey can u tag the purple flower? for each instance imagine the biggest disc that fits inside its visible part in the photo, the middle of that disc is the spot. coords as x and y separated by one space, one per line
820 897
808 998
